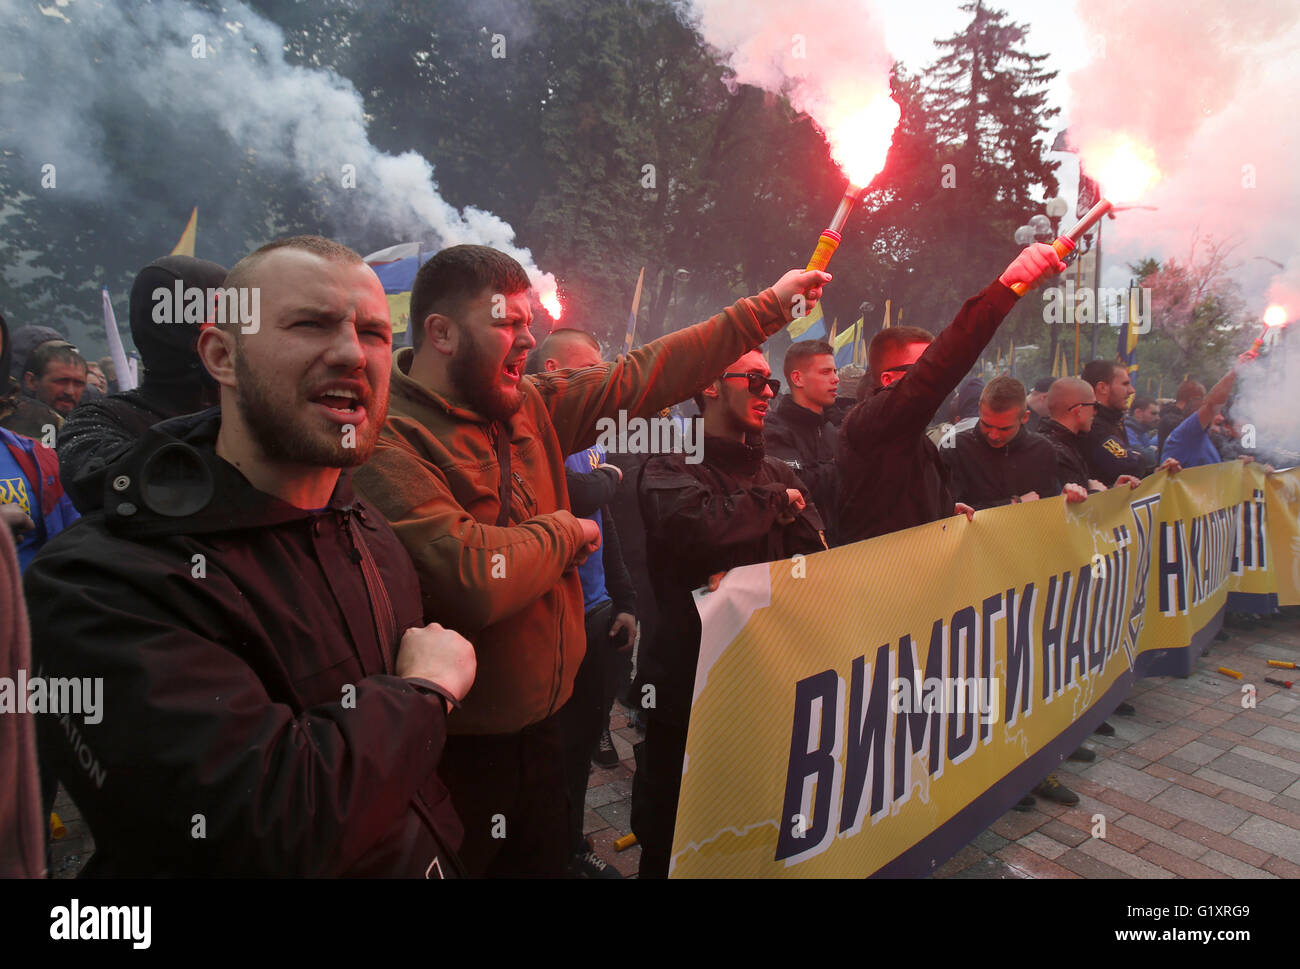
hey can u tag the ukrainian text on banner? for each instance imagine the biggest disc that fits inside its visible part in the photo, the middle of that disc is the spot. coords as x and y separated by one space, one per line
870 709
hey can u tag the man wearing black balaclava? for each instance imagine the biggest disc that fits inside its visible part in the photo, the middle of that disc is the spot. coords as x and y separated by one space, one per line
174 383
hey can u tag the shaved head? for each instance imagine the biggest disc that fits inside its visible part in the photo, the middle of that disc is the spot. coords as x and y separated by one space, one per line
1067 392
568 348
244 274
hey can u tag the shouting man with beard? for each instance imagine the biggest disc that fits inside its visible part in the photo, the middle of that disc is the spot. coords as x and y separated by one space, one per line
470 471
271 702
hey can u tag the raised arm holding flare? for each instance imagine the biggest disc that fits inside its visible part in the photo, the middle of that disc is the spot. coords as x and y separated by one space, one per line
891 476
466 428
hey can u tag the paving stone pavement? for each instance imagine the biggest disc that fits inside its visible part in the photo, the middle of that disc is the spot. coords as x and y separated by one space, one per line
1193 786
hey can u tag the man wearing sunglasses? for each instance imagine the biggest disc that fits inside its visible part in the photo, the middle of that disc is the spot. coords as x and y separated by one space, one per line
736 507
1072 404
891 476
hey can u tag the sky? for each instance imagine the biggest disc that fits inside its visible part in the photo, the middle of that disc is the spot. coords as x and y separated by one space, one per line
1210 82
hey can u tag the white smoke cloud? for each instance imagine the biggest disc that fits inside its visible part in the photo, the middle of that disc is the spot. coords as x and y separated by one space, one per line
308 122
828 57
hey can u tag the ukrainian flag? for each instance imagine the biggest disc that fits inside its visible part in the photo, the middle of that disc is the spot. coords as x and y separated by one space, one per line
1126 351
845 343
396 267
810 327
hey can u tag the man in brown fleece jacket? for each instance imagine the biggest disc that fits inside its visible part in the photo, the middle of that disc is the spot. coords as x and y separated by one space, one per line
464 426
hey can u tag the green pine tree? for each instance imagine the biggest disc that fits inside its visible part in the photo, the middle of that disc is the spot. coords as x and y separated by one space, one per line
987 97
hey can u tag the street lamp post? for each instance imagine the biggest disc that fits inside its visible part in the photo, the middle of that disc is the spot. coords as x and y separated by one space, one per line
1045 228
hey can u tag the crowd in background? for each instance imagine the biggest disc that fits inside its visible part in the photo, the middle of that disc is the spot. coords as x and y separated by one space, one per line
365 611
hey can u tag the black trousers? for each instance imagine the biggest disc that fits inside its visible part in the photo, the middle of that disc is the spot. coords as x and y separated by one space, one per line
583 720
655 789
509 792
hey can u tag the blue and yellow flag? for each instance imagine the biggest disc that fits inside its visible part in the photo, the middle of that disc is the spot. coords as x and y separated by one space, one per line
845 343
810 327
396 267
1126 351
185 245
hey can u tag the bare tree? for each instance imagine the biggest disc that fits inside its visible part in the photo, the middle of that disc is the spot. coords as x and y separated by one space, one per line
1196 304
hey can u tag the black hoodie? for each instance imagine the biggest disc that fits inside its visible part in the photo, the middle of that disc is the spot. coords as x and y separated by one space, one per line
174 383
246 649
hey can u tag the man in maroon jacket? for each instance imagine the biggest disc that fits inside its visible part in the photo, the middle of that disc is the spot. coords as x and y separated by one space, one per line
891 476
258 694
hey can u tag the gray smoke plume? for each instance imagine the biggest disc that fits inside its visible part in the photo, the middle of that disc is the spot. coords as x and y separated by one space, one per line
75 71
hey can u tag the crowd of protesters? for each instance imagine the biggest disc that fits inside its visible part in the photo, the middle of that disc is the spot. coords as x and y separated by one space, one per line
361 610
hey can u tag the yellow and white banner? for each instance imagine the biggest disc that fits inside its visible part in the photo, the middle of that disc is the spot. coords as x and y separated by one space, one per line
869 709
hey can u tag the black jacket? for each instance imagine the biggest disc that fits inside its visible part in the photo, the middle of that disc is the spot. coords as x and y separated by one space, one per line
984 476
840 409
702 519
98 431
1106 448
247 654
1071 466
891 476
805 440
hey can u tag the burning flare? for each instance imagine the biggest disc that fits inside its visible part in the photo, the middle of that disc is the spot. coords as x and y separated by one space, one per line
1275 315
550 301
859 139
1123 167
860 134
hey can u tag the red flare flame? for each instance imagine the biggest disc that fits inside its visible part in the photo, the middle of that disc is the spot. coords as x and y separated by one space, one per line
859 135
1123 167
551 303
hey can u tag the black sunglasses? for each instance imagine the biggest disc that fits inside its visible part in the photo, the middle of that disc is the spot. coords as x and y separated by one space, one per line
757 382
1090 403
900 369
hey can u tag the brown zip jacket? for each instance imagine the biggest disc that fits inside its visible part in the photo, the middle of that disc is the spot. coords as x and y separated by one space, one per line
511 590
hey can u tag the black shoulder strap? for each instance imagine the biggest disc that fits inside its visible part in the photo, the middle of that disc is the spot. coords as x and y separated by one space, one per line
504 491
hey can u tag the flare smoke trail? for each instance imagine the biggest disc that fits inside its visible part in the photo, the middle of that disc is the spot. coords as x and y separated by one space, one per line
1210 86
78 74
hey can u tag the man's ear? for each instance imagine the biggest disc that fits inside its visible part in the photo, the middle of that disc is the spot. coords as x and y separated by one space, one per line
441 333
796 379
216 349
30 380
711 391
1024 416
550 365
